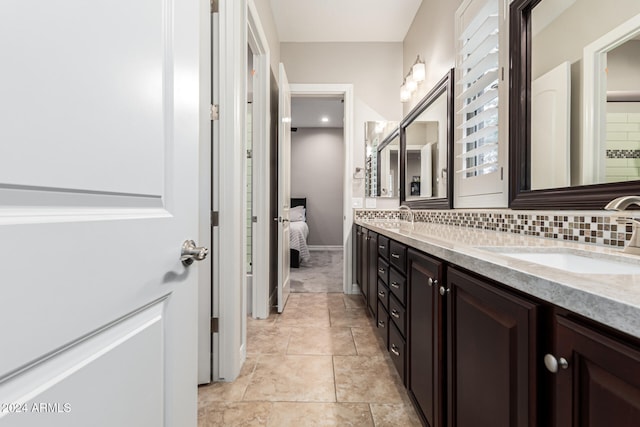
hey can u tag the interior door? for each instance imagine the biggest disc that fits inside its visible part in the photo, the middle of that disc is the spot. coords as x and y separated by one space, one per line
284 186
550 136
98 192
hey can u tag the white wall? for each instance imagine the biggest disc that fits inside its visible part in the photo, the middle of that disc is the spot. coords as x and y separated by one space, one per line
317 156
374 69
271 32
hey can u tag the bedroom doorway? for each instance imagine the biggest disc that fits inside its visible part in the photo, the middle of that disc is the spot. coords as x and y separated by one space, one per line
317 193
322 151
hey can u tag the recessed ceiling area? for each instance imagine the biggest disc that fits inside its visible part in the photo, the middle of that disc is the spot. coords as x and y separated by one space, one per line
308 112
343 20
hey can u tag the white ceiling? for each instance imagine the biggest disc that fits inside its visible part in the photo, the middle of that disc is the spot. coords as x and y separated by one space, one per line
343 20
307 112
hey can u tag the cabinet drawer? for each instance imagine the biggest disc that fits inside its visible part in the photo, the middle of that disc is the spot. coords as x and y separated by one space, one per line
397 348
383 294
382 324
398 285
397 314
383 247
383 270
398 256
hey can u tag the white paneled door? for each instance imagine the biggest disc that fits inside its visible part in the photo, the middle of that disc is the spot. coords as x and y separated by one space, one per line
284 187
98 192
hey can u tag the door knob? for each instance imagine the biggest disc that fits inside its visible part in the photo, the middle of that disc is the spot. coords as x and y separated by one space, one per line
190 252
553 364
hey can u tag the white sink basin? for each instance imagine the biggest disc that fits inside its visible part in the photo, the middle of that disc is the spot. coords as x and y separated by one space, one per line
572 260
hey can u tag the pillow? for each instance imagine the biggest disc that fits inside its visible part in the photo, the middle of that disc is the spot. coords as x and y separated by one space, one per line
297 214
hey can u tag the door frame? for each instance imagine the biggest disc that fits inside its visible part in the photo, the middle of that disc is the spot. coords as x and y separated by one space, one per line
346 91
259 44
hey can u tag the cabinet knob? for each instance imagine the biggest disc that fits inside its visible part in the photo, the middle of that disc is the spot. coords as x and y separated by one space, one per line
394 350
381 293
552 363
395 285
443 290
432 281
396 256
380 323
381 246
381 270
395 313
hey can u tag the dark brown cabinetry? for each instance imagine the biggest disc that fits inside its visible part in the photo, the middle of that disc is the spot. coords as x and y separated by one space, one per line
426 368
372 279
471 351
597 378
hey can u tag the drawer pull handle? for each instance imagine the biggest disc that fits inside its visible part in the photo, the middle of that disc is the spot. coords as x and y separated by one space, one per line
396 256
381 293
381 246
394 313
395 285
394 350
380 323
381 270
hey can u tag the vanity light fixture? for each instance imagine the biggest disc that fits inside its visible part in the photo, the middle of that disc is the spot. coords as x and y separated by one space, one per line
418 70
405 94
416 75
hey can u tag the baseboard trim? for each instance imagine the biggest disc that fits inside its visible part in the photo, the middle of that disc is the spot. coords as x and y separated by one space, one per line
325 248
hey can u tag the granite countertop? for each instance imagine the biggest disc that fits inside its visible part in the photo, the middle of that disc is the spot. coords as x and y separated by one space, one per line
611 299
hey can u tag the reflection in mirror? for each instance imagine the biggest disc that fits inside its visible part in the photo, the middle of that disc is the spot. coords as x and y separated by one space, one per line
426 142
375 133
389 166
564 133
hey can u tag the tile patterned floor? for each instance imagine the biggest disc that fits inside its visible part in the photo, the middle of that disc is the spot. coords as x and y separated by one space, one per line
320 363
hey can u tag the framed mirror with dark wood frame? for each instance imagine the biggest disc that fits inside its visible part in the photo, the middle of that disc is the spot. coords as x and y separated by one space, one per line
574 103
426 146
388 166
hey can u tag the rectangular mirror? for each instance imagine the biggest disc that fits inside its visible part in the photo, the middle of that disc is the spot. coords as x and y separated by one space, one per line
376 134
426 141
575 98
388 166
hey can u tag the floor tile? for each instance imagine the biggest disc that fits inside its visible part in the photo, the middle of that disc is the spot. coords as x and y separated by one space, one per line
272 340
225 414
228 391
368 341
292 378
321 341
305 316
287 414
370 379
394 415
354 301
350 318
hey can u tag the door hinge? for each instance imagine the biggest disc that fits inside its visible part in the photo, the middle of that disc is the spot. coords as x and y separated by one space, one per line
502 174
254 219
214 325
249 154
215 220
214 6
214 113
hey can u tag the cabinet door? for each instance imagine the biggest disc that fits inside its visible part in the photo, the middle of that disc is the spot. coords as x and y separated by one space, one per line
425 373
600 386
372 281
491 355
364 263
358 255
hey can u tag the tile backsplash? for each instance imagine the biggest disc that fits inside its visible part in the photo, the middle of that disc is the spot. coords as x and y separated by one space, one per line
585 227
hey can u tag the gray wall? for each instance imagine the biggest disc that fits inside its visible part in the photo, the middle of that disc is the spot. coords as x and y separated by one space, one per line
317 159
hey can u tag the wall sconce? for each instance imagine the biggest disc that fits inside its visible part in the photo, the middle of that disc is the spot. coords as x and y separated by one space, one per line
416 75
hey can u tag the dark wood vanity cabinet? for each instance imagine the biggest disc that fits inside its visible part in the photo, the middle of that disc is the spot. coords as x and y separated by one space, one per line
426 377
471 351
491 355
597 381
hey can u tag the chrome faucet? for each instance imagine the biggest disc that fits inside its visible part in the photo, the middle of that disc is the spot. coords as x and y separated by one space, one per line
409 212
620 204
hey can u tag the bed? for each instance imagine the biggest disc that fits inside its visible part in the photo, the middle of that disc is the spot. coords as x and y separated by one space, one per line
299 231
